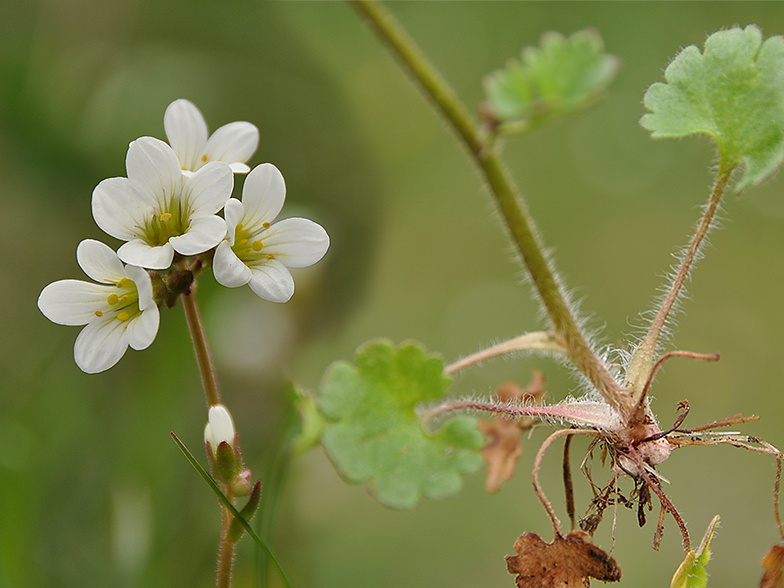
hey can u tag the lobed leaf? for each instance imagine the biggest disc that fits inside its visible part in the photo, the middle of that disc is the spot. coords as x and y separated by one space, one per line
373 434
733 91
560 76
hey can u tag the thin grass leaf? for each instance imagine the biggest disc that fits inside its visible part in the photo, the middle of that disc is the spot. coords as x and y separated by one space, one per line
227 503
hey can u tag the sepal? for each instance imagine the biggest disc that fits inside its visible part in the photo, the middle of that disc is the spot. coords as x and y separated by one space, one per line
248 512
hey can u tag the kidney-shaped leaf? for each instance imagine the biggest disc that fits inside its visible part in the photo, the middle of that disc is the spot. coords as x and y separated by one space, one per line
559 76
733 91
374 435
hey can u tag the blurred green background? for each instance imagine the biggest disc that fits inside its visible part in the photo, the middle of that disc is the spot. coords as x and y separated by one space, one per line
92 490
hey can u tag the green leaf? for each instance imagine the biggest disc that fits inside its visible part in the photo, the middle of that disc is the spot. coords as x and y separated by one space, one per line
311 421
692 573
560 76
227 503
734 91
374 435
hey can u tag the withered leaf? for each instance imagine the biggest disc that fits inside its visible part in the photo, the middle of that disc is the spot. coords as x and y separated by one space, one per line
772 562
567 562
503 447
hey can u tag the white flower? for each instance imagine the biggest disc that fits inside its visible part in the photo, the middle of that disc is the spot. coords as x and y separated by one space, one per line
118 312
158 211
220 428
257 252
187 132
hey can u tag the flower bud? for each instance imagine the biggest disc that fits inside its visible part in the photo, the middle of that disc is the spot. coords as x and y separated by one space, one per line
219 429
223 450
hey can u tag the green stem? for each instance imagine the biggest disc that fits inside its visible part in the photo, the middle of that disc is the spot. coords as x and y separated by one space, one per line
506 194
641 364
200 347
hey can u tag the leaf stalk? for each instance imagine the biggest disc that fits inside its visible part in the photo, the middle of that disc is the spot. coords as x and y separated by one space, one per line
641 364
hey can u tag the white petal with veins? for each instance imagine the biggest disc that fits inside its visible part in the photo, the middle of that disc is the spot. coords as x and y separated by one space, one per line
187 132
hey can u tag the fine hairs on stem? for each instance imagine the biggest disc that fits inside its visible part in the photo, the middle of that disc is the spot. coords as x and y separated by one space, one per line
507 196
209 381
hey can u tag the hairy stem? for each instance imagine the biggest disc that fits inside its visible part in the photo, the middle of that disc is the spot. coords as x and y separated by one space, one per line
640 366
535 341
506 194
209 382
200 347
583 415
776 493
225 548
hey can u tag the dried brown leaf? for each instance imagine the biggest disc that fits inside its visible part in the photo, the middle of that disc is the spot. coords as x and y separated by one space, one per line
772 562
503 447
501 452
567 562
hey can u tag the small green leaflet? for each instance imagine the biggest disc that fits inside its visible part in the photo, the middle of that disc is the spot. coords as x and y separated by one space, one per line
692 573
733 91
560 76
374 435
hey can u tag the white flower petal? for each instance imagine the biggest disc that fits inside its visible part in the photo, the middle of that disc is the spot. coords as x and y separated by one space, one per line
296 242
233 213
100 262
100 345
239 168
142 254
263 196
228 269
142 329
207 190
187 132
118 208
272 281
220 427
153 169
143 283
233 143
73 302
204 233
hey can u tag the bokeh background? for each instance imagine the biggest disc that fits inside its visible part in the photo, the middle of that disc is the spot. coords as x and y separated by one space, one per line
92 490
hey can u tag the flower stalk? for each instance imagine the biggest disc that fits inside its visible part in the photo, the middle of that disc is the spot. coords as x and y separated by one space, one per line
507 196
200 347
226 547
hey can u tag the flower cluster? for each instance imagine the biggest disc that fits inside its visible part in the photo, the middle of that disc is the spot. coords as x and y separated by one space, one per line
169 205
